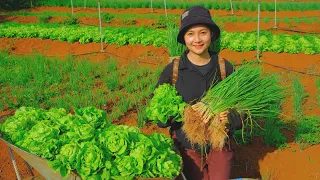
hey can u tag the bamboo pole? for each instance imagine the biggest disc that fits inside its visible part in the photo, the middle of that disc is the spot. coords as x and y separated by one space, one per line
275 14
258 30
151 6
165 7
231 7
72 7
100 26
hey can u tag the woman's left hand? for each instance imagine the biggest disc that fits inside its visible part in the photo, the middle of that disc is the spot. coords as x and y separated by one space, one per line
223 116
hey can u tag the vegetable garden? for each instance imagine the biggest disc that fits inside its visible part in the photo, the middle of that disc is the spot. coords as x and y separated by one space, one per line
70 87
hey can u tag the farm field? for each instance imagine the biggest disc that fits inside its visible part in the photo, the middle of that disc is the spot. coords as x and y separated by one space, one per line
49 58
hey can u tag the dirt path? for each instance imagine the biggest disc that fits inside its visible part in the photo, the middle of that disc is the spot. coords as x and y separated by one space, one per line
174 11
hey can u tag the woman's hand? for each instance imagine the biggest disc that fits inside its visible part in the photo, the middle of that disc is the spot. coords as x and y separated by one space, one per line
223 116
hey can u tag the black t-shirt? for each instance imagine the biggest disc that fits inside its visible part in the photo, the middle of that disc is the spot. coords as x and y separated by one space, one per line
204 69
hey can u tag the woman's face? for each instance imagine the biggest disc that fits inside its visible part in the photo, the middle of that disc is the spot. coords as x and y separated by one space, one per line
198 39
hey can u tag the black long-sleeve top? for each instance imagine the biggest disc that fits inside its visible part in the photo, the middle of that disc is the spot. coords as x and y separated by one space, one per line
192 85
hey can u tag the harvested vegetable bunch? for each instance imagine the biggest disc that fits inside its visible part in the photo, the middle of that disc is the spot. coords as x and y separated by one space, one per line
88 145
247 90
164 104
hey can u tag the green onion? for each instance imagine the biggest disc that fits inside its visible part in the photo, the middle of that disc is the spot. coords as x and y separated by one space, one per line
247 90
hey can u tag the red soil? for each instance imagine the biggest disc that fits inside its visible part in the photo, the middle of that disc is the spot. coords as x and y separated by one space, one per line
282 27
255 160
174 11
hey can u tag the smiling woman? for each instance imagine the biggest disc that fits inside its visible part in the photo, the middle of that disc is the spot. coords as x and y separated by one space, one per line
198 69
198 40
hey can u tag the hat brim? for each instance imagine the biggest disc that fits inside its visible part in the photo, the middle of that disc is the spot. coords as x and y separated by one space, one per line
199 20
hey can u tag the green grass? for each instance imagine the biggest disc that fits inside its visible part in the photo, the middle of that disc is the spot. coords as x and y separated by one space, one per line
270 131
107 17
308 131
177 4
318 91
175 48
272 134
161 23
299 97
297 20
306 20
38 81
246 19
71 21
286 20
266 19
44 18
129 21
245 137
315 19
112 81
141 115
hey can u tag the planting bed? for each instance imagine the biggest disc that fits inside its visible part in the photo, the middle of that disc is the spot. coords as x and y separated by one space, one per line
175 12
291 160
138 22
250 161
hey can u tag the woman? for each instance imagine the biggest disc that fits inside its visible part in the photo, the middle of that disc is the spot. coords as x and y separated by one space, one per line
198 69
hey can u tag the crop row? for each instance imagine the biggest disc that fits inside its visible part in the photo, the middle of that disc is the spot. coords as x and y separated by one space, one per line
73 84
245 6
108 17
86 143
241 42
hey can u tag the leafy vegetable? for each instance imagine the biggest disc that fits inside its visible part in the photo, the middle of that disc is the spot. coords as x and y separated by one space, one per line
89 160
164 104
86 143
93 116
147 36
66 160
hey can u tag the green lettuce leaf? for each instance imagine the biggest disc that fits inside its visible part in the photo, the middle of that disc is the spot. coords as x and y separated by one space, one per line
164 104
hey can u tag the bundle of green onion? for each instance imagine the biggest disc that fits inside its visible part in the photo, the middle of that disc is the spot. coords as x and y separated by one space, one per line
246 90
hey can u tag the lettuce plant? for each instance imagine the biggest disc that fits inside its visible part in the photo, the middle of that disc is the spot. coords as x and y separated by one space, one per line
86 143
164 104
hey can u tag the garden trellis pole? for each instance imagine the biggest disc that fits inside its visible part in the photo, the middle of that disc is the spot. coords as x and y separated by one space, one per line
231 7
72 7
258 31
151 6
100 26
275 14
165 7
84 3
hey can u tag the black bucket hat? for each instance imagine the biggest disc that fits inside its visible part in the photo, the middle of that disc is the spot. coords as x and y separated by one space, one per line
197 15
